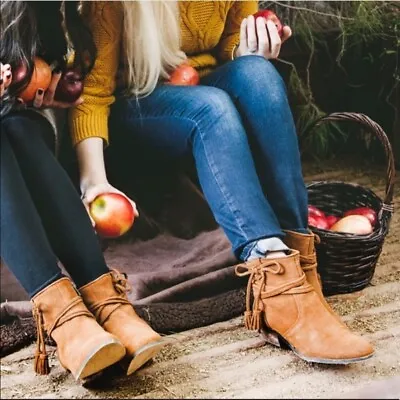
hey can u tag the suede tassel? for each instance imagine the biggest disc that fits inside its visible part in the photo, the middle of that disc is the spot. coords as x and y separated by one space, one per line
41 363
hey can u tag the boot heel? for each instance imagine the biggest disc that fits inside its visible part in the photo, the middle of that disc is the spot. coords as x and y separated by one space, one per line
101 358
142 356
270 336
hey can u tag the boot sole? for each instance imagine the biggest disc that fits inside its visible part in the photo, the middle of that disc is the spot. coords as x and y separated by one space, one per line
100 358
144 354
278 340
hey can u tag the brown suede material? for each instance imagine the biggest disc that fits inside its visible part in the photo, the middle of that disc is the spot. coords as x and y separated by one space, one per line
76 337
305 244
291 307
119 319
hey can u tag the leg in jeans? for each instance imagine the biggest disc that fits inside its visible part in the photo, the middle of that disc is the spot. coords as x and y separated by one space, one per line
63 217
176 120
24 244
259 94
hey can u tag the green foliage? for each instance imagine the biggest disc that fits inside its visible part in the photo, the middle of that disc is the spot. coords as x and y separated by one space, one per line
356 36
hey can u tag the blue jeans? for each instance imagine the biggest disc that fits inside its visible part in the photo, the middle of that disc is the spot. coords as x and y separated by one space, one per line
240 129
42 219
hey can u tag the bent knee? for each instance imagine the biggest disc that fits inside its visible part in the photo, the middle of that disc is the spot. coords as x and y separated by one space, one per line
258 75
217 116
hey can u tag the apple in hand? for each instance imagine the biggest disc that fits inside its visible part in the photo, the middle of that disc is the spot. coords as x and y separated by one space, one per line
112 213
365 211
19 73
270 15
40 79
184 75
70 87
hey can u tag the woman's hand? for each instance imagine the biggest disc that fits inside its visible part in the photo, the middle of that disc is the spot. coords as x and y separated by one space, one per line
45 99
90 192
260 38
5 78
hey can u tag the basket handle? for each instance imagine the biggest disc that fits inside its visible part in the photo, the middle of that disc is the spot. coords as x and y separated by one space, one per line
376 129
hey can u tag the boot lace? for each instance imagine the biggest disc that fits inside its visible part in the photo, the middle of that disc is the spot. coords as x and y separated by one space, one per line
122 287
257 273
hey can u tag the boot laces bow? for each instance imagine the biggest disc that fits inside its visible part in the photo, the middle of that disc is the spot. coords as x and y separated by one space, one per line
257 286
257 274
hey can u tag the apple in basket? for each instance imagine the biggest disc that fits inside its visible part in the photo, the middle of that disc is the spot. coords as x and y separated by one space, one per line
317 218
331 220
356 224
112 213
365 211
312 210
319 222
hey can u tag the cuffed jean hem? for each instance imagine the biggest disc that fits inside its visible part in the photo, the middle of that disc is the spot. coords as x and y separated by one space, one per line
243 253
55 278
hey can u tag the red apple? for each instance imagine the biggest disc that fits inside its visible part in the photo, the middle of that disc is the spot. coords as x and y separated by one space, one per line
317 222
112 213
312 210
184 75
331 220
70 87
356 224
270 15
19 73
365 211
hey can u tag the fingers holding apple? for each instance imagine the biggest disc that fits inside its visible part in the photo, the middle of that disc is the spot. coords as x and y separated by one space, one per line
113 214
91 192
262 34
269 15
5 77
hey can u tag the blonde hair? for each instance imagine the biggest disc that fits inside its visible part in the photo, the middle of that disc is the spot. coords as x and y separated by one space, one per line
151 43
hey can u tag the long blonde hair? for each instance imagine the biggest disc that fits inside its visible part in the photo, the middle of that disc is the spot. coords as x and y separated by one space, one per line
151 43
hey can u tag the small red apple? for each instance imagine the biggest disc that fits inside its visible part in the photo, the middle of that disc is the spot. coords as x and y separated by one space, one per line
318 222
112 213
270 15
365 211
331 220
70 87
184 75
19 73
312 210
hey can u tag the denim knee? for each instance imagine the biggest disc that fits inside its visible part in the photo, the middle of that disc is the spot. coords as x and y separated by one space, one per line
216 116
255 76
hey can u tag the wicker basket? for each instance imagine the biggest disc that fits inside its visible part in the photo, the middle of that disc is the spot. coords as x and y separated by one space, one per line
346 262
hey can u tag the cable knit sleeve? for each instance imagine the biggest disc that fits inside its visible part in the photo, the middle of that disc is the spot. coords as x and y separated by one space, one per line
230 37
90 119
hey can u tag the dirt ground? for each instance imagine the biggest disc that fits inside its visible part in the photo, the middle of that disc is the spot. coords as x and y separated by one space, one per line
226 361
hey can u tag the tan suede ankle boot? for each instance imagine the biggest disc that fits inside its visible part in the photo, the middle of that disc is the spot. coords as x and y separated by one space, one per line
106 298
83 346
305 244
285 304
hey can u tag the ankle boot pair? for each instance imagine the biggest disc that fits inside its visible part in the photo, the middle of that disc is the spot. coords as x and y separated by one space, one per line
93 330
284 301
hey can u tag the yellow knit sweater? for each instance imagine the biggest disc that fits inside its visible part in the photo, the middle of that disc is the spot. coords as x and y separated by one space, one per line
209 32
